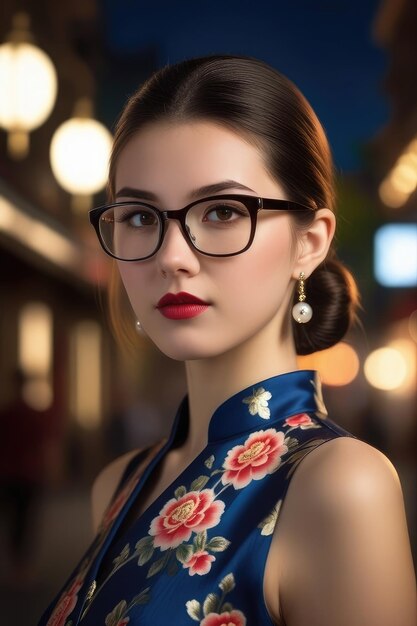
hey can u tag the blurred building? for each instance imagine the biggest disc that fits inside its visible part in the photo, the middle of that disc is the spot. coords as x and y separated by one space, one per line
53 317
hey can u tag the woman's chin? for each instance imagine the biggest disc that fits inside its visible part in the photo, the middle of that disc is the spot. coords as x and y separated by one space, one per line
187 350
185 353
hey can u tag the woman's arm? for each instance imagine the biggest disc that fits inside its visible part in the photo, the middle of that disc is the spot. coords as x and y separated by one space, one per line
350 557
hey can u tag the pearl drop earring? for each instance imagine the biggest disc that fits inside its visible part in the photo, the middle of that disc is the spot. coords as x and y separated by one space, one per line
139 328
302 311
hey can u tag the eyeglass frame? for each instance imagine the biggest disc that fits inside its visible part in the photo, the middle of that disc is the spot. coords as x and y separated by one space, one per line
253 204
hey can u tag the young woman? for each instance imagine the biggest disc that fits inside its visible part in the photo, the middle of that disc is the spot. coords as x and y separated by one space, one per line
221 223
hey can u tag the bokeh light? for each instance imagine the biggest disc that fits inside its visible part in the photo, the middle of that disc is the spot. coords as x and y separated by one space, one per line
395 255
35 354
38 394
28 86
391 196
404 177
35 339
28 79
401 181
408 350
86 374
79 153
386 368
338 365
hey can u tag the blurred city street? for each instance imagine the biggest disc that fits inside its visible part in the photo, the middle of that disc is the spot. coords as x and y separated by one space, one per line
63 533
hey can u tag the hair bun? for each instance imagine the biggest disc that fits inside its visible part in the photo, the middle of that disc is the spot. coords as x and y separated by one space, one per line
332 293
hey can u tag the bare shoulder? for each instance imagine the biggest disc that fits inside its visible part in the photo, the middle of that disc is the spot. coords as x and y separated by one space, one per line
350 468
348 542
106 484
341 477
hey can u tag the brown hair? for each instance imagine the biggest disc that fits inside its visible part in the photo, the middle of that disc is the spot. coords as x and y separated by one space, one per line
253 99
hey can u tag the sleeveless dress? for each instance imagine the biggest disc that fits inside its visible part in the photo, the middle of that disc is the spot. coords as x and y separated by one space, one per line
197 555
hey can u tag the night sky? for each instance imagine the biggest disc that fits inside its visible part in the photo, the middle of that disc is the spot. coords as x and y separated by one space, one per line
325 47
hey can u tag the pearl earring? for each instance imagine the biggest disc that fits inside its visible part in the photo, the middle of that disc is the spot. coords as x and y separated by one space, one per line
302 311
139 328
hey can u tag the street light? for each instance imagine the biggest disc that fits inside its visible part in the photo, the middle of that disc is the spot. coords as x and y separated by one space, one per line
28 86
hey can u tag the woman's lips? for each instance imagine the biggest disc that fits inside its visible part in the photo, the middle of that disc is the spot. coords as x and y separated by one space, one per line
181 306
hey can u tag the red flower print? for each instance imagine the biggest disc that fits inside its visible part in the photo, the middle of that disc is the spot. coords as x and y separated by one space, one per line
260 455
302 419
194 512
199 563
65 605
234 618
123 621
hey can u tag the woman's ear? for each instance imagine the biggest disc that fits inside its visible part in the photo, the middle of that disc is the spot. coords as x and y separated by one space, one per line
314 242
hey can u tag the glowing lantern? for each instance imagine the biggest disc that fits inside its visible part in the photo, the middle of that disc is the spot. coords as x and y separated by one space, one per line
28 86
79 154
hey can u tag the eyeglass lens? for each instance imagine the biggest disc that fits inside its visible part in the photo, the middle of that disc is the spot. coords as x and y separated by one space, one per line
132 232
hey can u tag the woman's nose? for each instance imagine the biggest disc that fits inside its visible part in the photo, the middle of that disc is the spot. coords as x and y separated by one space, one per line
176 253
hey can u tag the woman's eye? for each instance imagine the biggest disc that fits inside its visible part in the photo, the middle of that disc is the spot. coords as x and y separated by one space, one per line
221 214
142 218
138 219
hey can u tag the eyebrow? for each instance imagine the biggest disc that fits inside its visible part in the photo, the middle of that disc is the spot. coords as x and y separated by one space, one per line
206 190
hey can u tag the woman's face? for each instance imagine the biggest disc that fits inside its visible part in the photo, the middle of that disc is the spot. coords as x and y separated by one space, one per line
246 293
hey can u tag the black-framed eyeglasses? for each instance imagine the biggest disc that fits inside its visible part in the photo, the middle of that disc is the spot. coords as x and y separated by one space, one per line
218 226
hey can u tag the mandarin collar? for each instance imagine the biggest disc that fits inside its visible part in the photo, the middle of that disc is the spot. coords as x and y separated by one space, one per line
261 405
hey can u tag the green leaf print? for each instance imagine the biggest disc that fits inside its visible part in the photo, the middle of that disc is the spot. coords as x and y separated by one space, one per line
228 583
214 604
209 462
267 525
141 598
116 615
122 609
157 566
194 609
122 556
183 552
291 443
180 492
211 604
199 483
217 544
200 540
145 549
295 458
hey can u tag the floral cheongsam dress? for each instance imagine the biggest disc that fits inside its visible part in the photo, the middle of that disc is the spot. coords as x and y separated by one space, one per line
197 555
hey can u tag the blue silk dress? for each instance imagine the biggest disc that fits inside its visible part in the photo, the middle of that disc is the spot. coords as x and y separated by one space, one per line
197 555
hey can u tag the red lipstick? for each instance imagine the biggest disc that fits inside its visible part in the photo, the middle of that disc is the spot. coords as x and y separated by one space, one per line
181 306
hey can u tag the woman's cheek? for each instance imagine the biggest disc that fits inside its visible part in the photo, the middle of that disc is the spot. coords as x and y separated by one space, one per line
132 278
262 274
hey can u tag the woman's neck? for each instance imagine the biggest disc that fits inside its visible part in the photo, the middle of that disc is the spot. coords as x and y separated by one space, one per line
211 381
